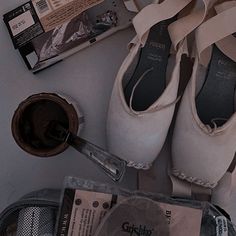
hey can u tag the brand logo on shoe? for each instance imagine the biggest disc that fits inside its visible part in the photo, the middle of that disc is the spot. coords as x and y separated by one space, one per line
140 230
157 45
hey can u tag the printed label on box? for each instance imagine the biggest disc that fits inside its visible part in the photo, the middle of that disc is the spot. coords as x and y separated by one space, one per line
23 24
88 211
82 212
53 13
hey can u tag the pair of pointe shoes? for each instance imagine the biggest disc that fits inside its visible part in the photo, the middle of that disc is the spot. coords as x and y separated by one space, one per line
144 95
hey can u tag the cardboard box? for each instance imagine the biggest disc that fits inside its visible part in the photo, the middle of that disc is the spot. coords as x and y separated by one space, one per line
47 31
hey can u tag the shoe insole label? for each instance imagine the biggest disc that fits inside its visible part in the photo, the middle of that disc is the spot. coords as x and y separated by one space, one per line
153 58
215 101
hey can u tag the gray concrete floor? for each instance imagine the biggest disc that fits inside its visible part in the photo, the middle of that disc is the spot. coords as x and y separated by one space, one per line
88 77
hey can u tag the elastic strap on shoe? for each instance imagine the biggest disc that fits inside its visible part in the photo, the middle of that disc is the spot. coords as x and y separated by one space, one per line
195 14
227 44
220 195
182 188
155 13
219 30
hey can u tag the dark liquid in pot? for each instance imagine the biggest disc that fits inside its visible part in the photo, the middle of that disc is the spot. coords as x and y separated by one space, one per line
35 120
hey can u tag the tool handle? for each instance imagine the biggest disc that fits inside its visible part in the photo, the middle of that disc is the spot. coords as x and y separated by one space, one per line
113 166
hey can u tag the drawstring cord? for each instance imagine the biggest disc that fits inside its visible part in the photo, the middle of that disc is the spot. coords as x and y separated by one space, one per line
137 83
154 107
213 121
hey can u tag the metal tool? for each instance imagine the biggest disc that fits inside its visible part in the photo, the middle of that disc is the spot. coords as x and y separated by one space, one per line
112 165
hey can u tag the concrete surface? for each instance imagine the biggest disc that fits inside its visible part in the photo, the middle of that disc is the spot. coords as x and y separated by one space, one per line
88 77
